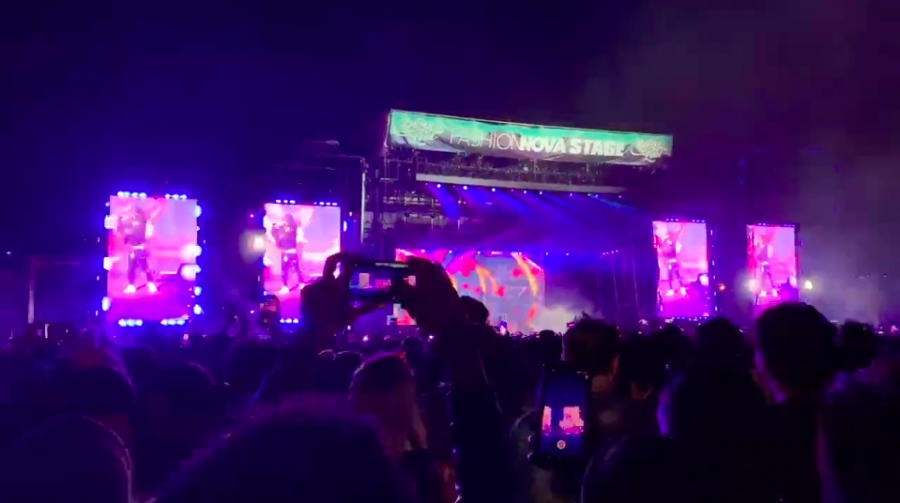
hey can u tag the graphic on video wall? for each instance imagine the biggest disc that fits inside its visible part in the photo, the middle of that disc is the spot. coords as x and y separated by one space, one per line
772 261
298 240
510 284
683 288
151 257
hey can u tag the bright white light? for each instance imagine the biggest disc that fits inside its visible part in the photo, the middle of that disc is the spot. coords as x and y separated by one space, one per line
180 321
109 222
126 194
183 196
197 251
165 322
438 185
139 322
296 321
345 226
197 211
807 285
365 338
493 189
197 290
104 304
278 201
189 272
762 293
259 244
108 263
465 187
121 323
142 195
129 323
267 262
168 196
752 285
198 310
704 279
292 201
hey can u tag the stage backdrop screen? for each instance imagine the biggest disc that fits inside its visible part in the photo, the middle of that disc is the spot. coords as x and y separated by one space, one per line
298 240
772 262
151 258
510 284
683 287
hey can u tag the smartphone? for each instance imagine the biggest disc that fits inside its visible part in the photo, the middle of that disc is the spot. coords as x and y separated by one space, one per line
269 304
376 281
563 409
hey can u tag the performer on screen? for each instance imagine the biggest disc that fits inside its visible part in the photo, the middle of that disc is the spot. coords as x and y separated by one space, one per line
288 237
137 228
763 253
669 250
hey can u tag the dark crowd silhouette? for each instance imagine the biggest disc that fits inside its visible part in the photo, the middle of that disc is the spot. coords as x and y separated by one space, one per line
794 409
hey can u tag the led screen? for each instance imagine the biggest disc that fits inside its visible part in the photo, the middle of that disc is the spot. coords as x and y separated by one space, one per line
510 284
683 287
772 262
151 257
298 240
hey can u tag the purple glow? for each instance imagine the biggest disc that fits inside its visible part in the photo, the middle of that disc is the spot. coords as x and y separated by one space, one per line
683 287
772 263
151 257
294 257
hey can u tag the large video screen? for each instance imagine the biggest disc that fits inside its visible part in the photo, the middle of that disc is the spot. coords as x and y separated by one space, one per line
683 287
510 284
298 239
772 262
151 257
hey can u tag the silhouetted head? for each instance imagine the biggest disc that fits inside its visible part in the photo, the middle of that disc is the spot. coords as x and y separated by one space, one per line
70 458
795 346
592 346
292 456
478 312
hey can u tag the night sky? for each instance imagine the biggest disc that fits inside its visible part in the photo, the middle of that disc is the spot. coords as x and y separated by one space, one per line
97 94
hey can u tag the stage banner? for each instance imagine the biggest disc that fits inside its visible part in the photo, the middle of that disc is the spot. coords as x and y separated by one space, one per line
521 141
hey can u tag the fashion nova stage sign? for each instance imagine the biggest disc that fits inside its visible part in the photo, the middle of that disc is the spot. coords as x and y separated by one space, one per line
450 134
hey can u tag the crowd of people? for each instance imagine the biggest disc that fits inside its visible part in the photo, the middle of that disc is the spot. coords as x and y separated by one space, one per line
795 410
